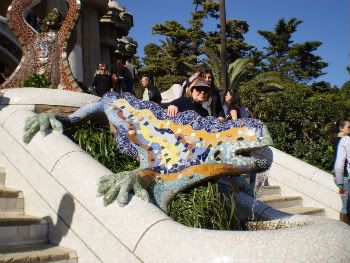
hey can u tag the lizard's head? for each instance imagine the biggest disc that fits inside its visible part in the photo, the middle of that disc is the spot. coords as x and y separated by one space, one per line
236 145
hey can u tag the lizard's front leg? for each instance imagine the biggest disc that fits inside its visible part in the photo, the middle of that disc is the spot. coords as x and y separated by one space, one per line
46 122
117 187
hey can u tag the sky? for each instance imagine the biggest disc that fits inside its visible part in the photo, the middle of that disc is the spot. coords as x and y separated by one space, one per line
327 21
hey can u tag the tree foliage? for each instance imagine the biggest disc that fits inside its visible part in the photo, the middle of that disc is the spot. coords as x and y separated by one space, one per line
299 119
278 83
297 61
184 47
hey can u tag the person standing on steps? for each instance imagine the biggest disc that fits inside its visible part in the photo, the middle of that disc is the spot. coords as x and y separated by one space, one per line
341 164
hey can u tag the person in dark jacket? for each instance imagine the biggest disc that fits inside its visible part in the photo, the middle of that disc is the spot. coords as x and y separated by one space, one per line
102 80
122 78
197 94
214 104
151 93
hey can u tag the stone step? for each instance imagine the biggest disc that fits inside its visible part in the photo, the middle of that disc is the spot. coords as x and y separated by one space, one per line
19 220
278 201
270 190
2 176
20 230
11 201
10 193
301 210
12 206
44 253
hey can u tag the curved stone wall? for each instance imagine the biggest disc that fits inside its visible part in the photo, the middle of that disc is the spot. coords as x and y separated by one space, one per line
52 167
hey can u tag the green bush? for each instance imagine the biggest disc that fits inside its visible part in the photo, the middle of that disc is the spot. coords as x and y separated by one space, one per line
299 119
37 81
100 144
205 207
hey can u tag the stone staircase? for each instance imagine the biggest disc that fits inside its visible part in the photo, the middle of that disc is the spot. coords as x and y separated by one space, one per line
24 238
271 195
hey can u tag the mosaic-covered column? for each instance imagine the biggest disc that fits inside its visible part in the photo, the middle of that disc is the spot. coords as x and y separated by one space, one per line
44 53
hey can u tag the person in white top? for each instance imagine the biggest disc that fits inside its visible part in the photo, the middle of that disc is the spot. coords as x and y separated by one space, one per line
341 164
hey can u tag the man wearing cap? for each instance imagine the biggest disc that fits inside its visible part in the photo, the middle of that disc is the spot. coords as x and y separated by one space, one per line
197 94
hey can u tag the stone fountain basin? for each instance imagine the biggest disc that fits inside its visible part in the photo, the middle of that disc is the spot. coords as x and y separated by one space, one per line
52 167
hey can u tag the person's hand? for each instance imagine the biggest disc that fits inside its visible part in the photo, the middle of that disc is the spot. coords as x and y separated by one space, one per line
341 191
114 78
196 75
221 118
172 110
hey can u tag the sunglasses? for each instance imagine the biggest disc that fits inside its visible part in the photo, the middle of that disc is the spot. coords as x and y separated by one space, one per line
201 89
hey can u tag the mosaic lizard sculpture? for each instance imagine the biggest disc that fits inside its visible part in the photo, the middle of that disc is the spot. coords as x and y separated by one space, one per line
43 53
174 153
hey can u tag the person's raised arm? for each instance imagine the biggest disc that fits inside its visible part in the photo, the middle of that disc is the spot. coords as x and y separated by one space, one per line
233 114
172 107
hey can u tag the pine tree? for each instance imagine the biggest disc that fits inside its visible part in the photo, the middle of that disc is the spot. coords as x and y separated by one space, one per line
297 61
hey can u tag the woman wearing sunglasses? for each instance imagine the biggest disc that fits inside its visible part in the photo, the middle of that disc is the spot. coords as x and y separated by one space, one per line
196 95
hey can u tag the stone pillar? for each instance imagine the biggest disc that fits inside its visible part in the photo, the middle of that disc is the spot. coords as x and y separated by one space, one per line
91 11
76 56
105 56
91 43
114 25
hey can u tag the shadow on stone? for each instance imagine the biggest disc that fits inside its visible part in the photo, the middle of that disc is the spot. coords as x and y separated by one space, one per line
64 219
4 101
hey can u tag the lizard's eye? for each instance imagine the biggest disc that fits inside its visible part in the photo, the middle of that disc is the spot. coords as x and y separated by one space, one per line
240 139
217 156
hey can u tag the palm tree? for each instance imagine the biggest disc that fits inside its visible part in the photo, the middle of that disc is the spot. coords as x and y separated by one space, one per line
223 53
236 70
240 69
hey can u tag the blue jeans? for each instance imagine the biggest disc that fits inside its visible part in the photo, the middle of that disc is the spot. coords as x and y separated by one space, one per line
345 197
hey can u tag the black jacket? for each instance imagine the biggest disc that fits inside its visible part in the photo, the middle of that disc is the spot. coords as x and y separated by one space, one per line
216 107
102 84
185 103
154 94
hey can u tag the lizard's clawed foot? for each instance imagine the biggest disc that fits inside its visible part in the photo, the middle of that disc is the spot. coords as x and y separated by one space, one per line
117 187
45 122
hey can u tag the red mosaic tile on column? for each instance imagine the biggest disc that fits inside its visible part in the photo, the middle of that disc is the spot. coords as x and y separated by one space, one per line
27 37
